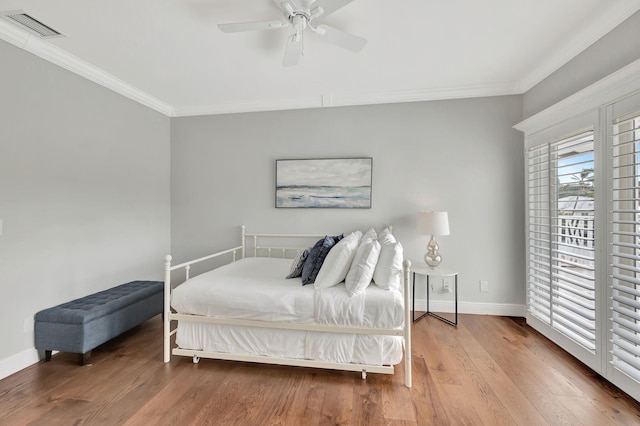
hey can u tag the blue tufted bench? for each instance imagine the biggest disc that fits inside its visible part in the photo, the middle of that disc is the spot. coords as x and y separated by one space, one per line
83 324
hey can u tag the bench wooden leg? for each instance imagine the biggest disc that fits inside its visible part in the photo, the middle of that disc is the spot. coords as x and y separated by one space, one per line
47 356
83 359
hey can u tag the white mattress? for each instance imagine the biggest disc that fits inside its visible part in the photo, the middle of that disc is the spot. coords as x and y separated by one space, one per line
256 289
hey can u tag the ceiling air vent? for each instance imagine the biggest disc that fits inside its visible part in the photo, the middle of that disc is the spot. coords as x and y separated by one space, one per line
29 23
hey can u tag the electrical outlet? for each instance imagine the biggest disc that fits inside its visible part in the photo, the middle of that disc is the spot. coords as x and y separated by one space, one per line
447 283
484 286
27 325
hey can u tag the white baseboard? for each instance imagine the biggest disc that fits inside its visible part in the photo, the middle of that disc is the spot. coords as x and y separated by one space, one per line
17 362
477 308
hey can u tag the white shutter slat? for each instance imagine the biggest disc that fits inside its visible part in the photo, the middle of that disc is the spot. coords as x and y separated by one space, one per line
629 290
631 339
627 324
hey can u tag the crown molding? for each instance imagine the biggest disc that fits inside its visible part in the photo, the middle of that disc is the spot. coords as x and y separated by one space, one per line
334 100
421 95
33 44
618 13
249 106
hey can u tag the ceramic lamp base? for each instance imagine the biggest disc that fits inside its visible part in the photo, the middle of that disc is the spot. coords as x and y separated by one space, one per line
432 257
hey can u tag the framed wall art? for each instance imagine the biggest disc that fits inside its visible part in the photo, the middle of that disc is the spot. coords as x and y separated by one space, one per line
343 183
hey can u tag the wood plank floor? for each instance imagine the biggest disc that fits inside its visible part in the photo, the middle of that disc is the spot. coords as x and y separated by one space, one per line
487 371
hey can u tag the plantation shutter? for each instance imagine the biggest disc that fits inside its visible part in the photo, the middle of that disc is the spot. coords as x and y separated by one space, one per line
573 254
625 247
561 252
539 250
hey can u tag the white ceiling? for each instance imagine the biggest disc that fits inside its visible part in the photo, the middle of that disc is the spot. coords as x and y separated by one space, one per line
169 54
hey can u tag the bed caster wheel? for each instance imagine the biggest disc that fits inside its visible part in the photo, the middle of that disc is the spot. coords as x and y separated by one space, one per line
195 359
364 374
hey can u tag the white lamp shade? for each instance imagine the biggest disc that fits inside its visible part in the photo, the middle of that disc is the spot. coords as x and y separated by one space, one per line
433 223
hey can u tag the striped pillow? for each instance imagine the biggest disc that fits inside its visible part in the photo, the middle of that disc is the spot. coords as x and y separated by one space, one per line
298 263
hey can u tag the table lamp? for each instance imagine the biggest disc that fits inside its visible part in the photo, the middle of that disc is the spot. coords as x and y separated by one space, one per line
433 223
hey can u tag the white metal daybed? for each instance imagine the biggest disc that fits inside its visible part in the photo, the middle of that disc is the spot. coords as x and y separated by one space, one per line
291 324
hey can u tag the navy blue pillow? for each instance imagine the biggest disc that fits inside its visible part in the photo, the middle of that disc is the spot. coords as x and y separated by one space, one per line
316 257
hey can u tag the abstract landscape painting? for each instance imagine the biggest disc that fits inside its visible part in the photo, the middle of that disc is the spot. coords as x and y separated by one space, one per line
324 183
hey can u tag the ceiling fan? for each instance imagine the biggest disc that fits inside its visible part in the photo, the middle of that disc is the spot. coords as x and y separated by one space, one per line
299 14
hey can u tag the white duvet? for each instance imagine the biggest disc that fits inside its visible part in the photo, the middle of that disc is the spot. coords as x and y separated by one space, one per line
256 289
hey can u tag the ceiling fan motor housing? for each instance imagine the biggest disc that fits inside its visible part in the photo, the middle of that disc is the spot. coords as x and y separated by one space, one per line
299 20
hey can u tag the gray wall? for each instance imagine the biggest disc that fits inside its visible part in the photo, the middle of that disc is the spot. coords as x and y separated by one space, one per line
84 191
461 156
616 49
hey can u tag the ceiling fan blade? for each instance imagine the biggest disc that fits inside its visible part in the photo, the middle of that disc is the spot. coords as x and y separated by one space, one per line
287 6
328 6
251 26
340 38
293 50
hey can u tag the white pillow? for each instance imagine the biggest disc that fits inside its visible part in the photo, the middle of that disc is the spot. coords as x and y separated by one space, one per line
364 263
370 234
338 261
388 273
386 236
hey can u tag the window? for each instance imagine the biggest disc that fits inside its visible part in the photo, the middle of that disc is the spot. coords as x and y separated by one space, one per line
583 225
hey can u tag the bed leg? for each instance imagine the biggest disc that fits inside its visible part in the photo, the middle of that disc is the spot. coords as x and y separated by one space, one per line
47 356
406 267
195 359
364 374
166 318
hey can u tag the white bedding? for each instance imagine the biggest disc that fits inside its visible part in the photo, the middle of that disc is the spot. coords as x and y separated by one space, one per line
255 289
329 347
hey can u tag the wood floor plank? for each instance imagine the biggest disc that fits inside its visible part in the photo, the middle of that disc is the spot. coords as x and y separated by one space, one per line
488 407
396 403
308 399
367 405
155 410
537 381
440 360
488 370
515 402
337 402
427 402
